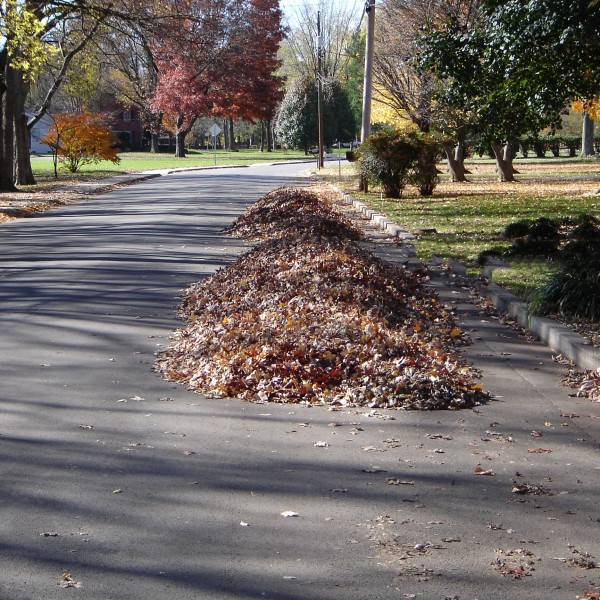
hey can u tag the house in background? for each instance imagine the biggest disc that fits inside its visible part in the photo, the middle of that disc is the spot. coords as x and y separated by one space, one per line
127 126
38 131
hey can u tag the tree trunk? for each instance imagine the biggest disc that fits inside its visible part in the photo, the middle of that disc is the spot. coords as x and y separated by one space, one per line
154 142
7 182
180 138
587 136
262 136
455 164
503 164
509 155
269 127
232 144
155 129
180 144
23 172
225 128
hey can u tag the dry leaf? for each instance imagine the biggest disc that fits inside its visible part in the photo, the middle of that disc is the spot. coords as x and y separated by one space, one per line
479 470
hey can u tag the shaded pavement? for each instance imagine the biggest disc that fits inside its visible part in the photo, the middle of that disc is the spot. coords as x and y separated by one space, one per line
140 489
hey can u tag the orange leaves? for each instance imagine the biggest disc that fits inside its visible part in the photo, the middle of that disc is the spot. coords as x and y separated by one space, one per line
310 316
81 138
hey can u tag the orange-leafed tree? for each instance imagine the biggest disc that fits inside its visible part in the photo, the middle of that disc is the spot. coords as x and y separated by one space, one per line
81 138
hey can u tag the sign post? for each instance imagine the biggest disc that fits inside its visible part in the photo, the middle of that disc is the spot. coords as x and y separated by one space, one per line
215 130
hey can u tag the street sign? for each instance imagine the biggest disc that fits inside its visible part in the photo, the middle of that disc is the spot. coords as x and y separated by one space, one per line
215 130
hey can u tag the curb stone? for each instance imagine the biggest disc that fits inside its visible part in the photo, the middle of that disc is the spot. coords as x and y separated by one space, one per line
556 336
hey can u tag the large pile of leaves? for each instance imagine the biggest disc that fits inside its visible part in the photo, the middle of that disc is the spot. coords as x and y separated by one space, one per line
310 316
293 213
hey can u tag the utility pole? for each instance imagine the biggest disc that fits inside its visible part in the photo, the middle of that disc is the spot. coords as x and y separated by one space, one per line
320 162
368 81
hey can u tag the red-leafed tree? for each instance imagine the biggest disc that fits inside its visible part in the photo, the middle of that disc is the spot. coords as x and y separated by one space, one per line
255 95
219 60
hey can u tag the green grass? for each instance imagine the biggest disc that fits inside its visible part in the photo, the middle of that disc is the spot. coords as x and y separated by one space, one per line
135 162
524 276
470 218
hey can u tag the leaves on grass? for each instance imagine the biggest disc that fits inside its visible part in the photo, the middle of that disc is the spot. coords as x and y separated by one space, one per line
310 316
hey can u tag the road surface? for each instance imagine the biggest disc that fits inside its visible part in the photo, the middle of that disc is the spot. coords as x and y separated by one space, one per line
118 485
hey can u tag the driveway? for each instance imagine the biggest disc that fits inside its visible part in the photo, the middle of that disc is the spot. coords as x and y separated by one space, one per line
118 485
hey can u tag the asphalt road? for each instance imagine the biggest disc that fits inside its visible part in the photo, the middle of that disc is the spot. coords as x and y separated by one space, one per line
139 489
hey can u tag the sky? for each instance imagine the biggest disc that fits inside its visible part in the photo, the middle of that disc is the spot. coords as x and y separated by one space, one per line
289 7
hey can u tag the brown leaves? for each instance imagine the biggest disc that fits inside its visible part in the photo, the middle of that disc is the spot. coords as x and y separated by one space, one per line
588 383
292 212
515 564
310 316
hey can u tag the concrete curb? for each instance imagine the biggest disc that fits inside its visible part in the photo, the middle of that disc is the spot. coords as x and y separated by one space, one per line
556 336
381 220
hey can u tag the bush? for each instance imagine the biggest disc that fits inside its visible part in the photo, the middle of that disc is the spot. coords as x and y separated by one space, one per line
385 158
574 290
392 159
541 237
520 229
79 139
424 171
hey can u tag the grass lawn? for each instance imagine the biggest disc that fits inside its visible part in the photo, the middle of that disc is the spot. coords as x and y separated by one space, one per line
470 217
135 162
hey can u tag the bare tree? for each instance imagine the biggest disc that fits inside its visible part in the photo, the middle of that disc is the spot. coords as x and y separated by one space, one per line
401 86
299 50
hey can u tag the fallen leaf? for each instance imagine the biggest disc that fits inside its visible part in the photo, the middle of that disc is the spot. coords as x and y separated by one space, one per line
479 470
67 581
321 445
538 450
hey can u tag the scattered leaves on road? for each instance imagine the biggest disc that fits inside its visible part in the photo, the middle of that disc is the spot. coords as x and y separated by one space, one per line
515 564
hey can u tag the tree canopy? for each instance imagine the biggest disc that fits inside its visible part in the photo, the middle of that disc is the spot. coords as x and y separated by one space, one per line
296 122
517 64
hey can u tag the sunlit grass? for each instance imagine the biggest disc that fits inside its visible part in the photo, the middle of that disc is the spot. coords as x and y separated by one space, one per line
469 218
136 162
